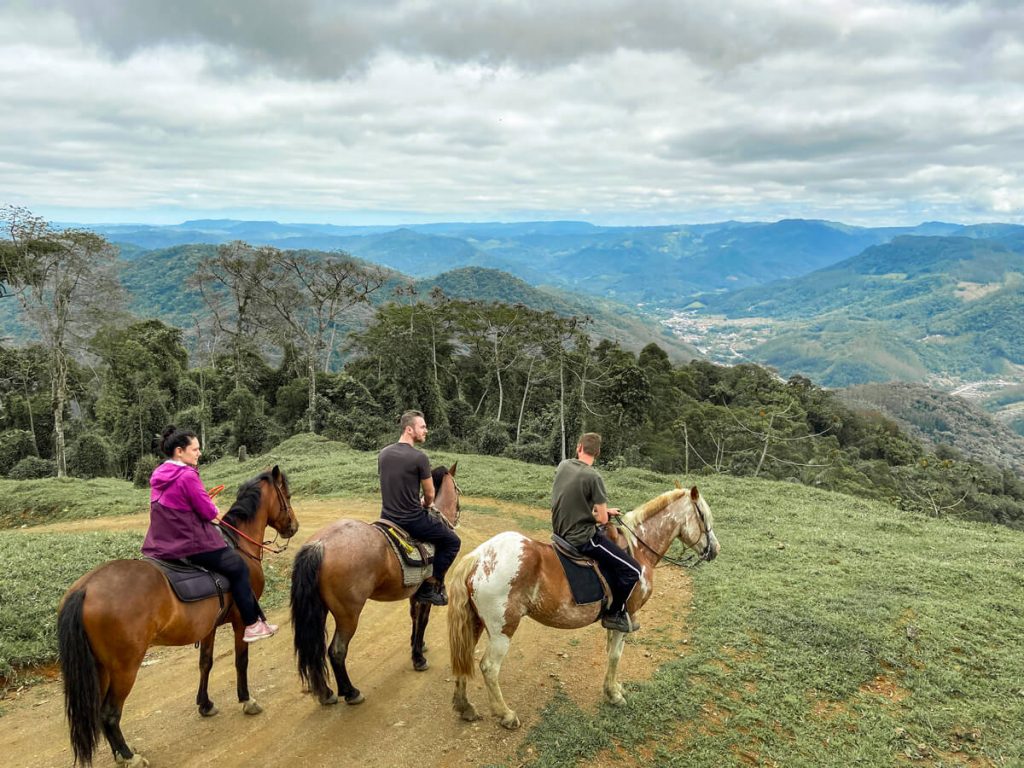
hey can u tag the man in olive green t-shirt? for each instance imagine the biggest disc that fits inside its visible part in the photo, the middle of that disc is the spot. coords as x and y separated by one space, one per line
579 504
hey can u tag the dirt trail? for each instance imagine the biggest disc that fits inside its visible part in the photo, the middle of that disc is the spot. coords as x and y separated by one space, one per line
407 717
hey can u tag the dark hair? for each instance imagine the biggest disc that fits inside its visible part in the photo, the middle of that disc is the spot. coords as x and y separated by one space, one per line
174 438
409 419
591 444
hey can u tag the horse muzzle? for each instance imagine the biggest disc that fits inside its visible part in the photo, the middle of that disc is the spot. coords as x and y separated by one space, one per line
711 550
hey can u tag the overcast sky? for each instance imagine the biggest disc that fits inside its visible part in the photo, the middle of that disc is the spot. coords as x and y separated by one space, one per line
612 111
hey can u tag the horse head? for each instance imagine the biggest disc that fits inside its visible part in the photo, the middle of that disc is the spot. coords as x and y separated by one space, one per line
446 494
696 529
280 515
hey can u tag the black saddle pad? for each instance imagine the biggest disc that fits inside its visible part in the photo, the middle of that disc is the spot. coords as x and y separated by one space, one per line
583 580
414 552
190 583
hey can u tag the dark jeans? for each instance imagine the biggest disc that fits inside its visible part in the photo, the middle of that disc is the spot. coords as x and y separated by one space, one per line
621 570
430 529
228 562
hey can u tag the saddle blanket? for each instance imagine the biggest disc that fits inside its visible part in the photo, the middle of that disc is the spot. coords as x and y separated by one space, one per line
585 581
191 583
415 557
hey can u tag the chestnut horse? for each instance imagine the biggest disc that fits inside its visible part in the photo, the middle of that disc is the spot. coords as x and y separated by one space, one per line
111 615
510 576
338 570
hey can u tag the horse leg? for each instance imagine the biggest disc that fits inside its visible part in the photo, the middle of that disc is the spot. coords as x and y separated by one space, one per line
206 707
345 628
249 705
121 681
460 700
612 688
490 665
420 613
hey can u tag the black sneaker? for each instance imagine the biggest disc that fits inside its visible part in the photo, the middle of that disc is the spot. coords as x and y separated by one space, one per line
431 593
620 622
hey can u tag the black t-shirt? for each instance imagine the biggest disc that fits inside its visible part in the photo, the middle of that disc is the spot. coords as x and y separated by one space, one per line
401 468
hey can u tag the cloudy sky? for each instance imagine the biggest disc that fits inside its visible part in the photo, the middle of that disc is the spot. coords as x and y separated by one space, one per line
612 111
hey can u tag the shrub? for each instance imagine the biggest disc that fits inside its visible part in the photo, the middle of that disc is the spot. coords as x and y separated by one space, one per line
33 468
143 469
90 456
15 445
492 438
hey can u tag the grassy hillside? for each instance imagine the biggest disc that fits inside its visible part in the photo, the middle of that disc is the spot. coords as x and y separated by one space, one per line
831 631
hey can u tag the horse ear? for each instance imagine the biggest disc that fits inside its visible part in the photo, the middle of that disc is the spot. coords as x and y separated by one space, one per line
276 473
679 486
694 494
451 469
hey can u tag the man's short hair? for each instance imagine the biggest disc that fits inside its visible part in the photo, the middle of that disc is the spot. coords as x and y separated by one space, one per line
591 444
408 419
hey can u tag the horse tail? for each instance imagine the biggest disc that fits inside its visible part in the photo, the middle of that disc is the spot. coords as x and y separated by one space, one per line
463 620
309 617
81 678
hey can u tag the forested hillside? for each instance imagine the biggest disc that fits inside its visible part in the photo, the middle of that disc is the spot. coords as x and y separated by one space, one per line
666 265
910 309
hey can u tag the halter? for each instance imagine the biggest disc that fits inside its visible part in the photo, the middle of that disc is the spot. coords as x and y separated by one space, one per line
693 559
271 544
458 507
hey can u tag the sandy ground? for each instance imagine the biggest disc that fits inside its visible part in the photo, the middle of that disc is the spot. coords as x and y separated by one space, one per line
407 717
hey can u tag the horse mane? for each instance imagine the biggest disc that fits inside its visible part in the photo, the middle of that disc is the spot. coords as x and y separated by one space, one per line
247 501
655 505
437 475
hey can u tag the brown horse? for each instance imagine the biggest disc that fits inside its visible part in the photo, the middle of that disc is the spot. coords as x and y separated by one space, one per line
510 576
111 615
338 570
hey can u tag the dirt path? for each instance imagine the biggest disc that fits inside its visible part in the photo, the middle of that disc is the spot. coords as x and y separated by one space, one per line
406 718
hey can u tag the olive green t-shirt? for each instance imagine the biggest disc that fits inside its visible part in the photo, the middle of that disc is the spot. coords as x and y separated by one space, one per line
577 488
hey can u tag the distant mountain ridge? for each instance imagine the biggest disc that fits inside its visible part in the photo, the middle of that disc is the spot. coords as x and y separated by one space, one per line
663 265
911 309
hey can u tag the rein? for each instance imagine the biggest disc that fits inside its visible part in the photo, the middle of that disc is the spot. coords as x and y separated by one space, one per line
266 546
692 560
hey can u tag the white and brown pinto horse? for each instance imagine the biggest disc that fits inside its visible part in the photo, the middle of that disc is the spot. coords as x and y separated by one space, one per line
511 576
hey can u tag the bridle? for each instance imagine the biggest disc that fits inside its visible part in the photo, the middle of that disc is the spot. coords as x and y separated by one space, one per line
270 545
692 559
458 506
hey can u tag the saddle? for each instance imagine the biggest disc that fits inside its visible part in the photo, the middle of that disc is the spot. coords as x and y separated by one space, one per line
191 582
415 557
586 581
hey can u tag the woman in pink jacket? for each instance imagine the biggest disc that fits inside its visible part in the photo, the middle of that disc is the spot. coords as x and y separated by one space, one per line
180 526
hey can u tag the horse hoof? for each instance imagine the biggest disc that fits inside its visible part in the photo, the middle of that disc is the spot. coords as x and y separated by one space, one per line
135 761
328 700
469 714
617 701
250 707
420 665
510 721
209 711
355 698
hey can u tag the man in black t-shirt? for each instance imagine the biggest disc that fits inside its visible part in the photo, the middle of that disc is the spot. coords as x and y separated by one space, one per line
404 475
579 504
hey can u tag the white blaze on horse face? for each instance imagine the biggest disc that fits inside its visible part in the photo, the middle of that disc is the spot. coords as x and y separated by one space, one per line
498 561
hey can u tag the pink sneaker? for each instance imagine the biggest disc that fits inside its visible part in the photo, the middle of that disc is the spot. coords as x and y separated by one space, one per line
258 630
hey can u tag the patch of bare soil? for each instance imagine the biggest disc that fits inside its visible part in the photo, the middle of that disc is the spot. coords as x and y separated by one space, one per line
407 717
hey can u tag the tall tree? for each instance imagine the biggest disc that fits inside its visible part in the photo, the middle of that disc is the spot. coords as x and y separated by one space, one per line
66 286
305 296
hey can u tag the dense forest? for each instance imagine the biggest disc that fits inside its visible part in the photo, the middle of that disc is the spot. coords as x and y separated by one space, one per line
278 351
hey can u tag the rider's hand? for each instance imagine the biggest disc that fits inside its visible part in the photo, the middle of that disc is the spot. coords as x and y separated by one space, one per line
614 512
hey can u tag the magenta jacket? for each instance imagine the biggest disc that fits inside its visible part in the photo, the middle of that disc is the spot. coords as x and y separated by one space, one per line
180 512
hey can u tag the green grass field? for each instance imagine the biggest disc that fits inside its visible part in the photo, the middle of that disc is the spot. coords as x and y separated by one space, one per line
831 631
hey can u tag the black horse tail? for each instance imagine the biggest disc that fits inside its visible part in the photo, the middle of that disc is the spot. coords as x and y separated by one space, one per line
81 678
309 617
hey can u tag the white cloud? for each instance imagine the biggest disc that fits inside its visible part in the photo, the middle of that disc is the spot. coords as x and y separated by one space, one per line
661 111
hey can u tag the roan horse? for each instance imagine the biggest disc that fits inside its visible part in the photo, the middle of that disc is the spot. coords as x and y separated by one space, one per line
510 576
338 570
111 615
